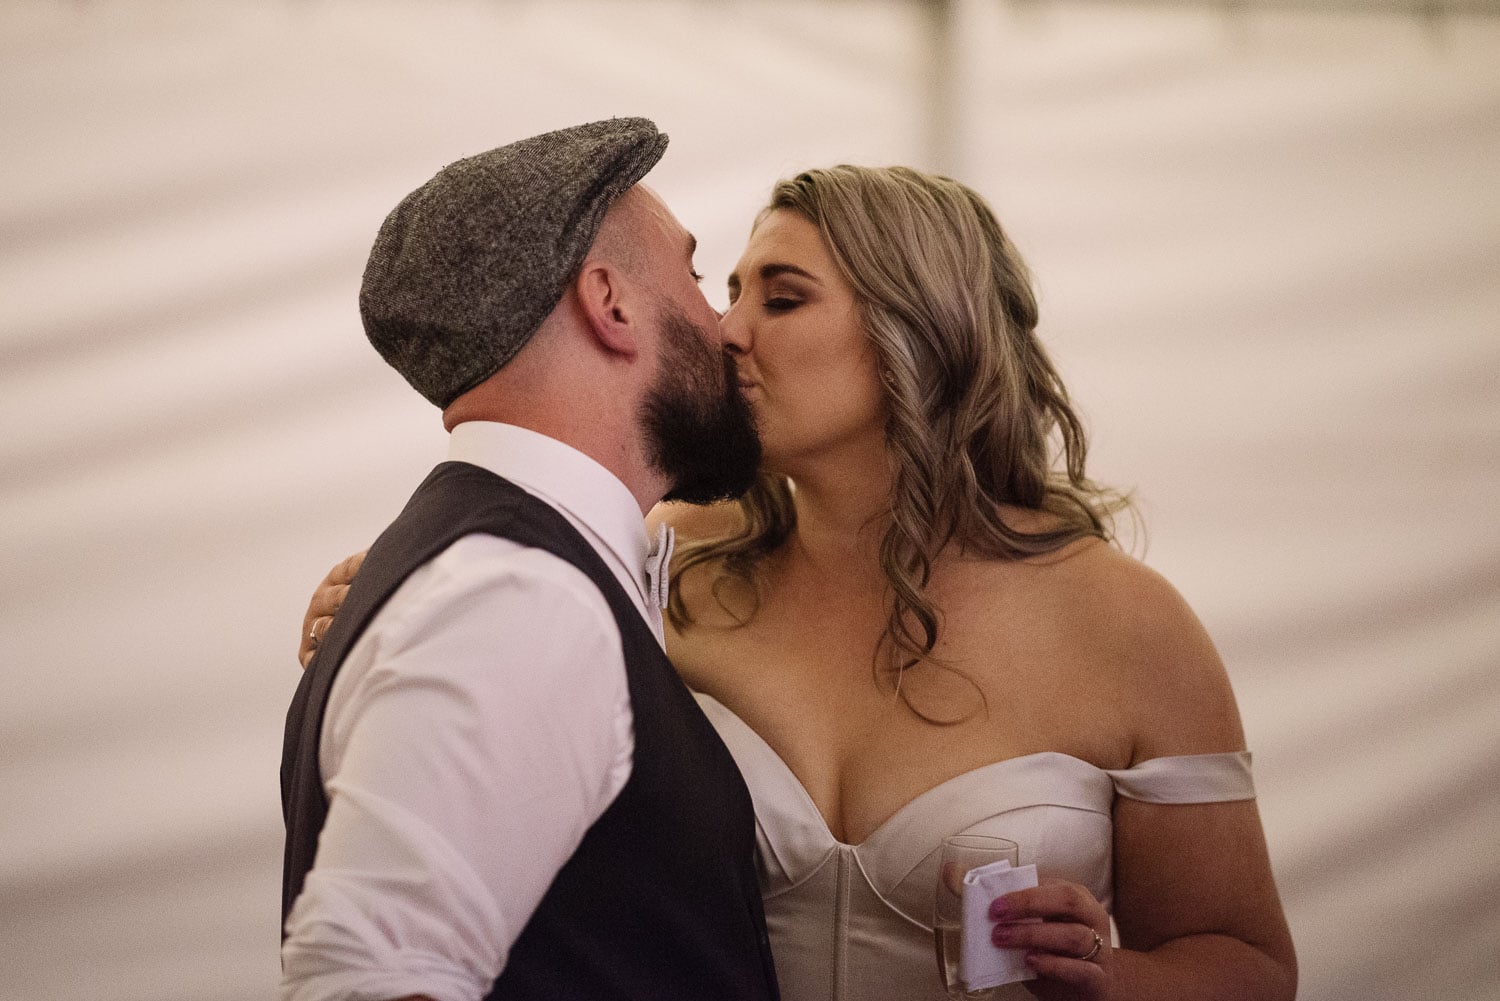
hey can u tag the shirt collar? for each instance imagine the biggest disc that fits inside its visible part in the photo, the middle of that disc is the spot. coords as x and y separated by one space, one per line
591 497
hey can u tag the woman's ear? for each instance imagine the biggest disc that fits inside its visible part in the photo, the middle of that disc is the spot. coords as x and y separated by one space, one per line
608 299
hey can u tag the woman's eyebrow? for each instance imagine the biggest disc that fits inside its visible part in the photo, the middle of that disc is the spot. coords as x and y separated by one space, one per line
769 271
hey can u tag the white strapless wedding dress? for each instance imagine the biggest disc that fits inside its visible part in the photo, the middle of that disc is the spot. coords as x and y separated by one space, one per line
854 922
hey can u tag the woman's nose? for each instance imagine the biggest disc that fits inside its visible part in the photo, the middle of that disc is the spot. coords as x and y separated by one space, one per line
734 333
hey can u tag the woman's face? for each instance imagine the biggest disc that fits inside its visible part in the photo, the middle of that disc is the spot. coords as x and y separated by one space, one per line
806 365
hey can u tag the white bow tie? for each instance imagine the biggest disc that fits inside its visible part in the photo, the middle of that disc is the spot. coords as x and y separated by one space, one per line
658 560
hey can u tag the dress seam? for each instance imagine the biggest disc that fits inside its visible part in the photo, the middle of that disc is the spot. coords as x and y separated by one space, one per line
841 928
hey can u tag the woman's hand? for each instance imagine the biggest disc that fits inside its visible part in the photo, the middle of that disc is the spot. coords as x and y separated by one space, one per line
325 603
1065 933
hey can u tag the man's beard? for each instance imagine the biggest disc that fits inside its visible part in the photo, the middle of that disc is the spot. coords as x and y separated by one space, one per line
699 429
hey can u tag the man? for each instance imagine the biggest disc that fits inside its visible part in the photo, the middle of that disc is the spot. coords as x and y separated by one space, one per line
493 781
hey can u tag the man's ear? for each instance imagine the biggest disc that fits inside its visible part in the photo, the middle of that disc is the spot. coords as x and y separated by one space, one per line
609 302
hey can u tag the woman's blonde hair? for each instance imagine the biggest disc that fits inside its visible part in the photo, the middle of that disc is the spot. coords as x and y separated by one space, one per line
977 415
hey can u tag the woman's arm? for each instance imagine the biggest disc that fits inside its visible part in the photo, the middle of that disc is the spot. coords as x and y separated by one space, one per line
1197 908
1194 899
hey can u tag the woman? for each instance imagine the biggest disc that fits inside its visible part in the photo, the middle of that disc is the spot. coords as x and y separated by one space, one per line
931 634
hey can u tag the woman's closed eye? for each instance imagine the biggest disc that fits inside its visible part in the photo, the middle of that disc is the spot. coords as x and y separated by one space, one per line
782 304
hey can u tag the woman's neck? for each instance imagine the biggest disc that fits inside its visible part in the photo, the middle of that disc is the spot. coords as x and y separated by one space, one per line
843 503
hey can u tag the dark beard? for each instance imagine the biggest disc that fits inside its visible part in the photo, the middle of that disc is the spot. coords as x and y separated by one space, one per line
699 429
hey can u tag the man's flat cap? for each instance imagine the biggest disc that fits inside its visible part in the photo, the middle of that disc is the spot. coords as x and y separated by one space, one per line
468 265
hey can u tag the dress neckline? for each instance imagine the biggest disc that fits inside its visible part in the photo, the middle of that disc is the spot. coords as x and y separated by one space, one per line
799 839
787 780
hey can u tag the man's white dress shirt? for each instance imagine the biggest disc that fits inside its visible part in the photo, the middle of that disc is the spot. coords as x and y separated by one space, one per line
477 729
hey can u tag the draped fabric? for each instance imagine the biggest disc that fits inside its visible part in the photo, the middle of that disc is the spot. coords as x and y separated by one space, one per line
1268 251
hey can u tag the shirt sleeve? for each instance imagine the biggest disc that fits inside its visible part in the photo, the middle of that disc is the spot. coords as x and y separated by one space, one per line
475 732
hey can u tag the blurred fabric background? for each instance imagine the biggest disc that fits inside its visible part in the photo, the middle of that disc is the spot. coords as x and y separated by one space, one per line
1267 240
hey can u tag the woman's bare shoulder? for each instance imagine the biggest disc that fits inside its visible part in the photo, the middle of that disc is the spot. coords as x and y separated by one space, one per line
1131 594
1160 656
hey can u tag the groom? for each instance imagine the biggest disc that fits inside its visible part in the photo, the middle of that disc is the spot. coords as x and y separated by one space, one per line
494 784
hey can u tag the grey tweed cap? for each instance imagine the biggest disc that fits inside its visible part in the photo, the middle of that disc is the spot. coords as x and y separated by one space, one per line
468 265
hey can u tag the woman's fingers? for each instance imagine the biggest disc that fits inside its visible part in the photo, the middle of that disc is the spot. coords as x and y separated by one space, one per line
1053 900
1065 938
1087 979
325 604
1064 932
345 571
312 638
326 601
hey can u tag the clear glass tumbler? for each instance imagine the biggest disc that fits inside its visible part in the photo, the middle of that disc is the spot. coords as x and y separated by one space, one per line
960 853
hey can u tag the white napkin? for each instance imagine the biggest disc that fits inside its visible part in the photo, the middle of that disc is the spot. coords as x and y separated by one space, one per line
983 963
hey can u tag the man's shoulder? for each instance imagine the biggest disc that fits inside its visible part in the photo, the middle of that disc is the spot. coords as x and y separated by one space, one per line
486 562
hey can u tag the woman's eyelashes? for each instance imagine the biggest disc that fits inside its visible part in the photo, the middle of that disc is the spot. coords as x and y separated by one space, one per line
771 300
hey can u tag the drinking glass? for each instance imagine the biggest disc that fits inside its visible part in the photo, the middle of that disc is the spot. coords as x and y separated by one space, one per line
960 853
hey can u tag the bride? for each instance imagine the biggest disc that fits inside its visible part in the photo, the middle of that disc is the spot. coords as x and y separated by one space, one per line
916 625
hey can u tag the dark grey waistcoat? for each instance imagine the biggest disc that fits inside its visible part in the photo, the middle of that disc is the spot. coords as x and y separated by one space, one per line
660 900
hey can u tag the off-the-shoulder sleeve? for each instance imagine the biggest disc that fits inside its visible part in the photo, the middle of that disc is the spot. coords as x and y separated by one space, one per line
1188 778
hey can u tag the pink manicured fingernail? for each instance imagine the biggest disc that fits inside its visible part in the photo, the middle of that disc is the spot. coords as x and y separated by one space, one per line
1003 935
999 908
